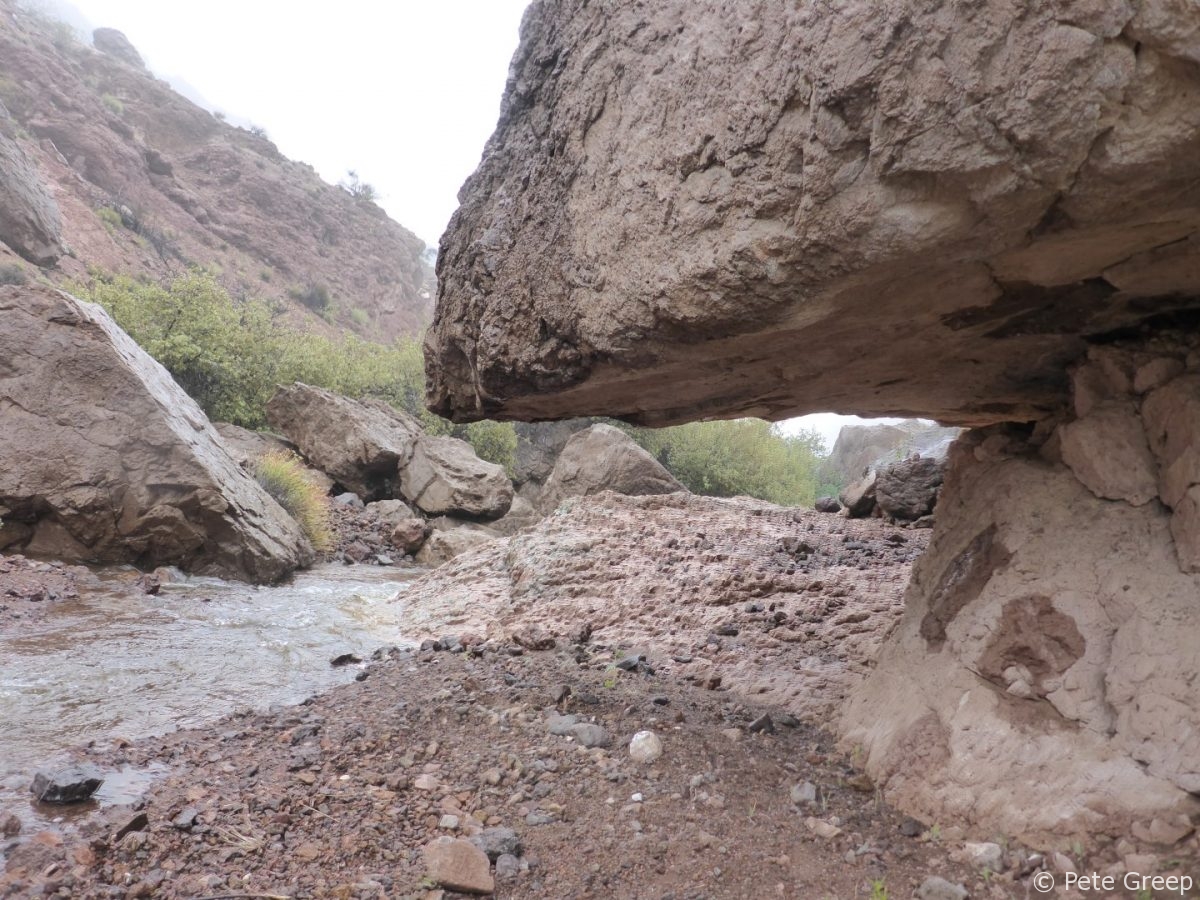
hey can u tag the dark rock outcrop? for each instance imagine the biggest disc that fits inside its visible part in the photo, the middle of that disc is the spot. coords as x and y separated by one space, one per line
860 449
604 458
30 222
909 490
949 201
106 459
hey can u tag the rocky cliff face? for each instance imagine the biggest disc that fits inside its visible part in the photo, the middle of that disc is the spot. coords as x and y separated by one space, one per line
859 448
980 214
148 183
908 209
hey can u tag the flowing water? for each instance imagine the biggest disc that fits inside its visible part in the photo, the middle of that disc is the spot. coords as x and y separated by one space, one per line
124 665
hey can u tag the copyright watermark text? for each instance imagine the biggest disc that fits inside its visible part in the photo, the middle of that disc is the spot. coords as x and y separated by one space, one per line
1045 882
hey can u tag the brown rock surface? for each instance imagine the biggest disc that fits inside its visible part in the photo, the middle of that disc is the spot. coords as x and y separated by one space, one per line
443 476
459 865
106 459
360 444
187 188
1040 680
604 458
785 606
944 198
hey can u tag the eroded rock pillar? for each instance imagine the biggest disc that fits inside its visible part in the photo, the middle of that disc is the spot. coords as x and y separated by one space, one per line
1045 680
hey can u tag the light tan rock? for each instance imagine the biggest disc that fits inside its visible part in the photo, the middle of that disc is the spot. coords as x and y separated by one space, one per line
391 511
1185 527
875 202
458 865
409 535
360 444
442 546
106 459
1032 580
443 476
1108 452
1172 418
604 458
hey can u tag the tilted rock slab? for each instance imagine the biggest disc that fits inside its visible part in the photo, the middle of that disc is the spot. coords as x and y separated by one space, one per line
604 458
30 222
106 459
693 208
380 453
358 443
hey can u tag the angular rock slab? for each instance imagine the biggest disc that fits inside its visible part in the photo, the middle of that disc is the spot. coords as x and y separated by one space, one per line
459 865
880 224
30 222
443 476
108 460
1042 681
604 458
359 443
66 786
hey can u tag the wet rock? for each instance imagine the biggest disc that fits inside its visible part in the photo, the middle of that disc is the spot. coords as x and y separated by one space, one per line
10 825
356 552
65 786
645 747
827 505
151 482
936 888
409 535
458 865
344 659
443 476
30 221
909 490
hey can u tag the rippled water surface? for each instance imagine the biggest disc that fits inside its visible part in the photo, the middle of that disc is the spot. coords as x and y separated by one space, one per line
123 666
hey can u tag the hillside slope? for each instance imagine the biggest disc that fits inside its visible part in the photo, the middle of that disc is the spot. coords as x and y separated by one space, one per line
148 183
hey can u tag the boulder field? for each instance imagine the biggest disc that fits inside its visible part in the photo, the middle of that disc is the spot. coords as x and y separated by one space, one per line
983 216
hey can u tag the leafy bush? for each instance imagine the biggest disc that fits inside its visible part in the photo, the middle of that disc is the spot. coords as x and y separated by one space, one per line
110 217
359 317
13 274
282 476
741 456
112 104
358 189
315 296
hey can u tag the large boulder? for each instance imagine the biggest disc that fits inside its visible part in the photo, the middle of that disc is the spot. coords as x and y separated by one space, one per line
359 443
910 209
909 490
443 476
104 458
115 44
1042 681
860 449
604 458
30 222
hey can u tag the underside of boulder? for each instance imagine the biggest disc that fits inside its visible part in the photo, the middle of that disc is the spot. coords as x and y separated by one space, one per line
104 458
706 209
983 214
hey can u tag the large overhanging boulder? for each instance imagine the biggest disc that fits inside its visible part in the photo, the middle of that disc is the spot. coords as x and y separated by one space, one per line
694 208
30 222
104 458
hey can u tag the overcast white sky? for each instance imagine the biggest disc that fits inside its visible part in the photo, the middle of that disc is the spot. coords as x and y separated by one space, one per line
404 93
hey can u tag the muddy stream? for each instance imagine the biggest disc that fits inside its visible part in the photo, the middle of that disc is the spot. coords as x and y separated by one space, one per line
118 665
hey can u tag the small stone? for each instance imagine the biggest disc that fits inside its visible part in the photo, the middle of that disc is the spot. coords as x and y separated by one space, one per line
349 499
861 782
186 818
910 827
10 825
458 865
425 782
66 786
935 888
822 828
787 721
985 855
344 659
448 822
591 735
561 725
560 693
806 792
507 866
496 842
539 818
645 747
762 724
1062 862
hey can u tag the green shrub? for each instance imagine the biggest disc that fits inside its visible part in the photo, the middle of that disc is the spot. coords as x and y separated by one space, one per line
113 104
360 317
315 296
110 217
13 274
282 476
741 456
